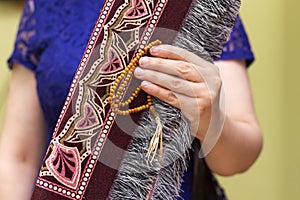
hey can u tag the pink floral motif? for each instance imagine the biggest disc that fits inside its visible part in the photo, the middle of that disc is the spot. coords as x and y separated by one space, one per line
137 10
64 164
114 63
90 118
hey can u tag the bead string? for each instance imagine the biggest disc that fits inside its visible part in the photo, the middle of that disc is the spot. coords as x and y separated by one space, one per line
117 89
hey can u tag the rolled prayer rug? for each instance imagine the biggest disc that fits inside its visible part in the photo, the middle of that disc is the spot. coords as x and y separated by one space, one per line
97 152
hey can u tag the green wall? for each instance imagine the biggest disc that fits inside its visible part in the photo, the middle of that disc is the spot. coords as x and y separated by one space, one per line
273 29
291 102
9 19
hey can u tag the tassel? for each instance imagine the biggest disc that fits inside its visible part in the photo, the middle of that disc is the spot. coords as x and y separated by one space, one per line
156 138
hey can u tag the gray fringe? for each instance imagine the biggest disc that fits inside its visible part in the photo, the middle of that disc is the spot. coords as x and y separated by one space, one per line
137 177
214 20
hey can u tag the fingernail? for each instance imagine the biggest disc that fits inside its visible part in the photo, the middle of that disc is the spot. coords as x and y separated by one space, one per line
145 84
153 50
138 71
143 60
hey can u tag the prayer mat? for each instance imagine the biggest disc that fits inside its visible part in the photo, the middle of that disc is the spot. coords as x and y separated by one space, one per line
96 153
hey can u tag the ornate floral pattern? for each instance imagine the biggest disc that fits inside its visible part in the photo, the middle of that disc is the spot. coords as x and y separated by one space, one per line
74 140
64 164
90 118
139 9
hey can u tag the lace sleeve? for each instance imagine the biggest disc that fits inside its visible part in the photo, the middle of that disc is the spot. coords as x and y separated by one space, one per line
26 50
238 46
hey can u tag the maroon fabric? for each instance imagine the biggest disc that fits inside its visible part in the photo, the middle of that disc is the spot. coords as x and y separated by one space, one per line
89 141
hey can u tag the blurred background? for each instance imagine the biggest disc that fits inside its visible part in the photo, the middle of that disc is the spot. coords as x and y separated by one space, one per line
273 27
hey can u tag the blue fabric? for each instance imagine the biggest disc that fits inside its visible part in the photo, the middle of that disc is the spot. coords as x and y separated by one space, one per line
238 46
51 39
186 188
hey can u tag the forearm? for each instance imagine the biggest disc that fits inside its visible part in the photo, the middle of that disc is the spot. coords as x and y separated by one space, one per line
238 146
240 139
17 179
22 141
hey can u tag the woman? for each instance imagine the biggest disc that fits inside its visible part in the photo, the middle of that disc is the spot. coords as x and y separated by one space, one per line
50 32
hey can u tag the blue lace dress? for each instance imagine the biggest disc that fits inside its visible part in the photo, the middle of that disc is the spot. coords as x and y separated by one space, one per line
51 39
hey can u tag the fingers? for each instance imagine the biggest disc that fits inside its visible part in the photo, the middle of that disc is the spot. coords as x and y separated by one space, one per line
183 80
178 62
188 105
156 70
172 83
182 69
176 53
171 69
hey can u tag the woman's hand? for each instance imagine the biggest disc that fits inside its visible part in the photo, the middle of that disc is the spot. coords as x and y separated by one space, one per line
185 81
225 122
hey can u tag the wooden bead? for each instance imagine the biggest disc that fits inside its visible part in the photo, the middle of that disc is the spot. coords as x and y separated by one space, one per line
117 89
